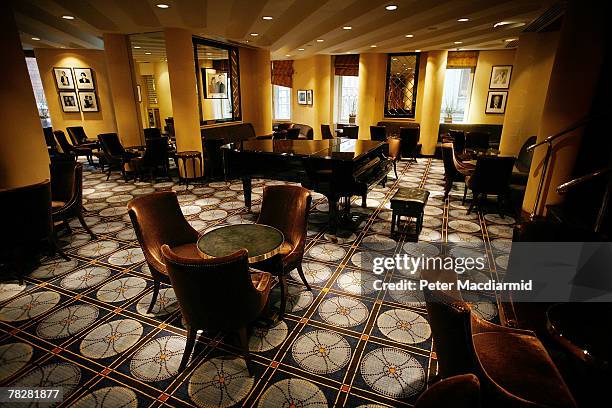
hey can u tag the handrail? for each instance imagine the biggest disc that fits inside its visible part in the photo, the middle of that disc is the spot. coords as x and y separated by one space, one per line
569 185
571 128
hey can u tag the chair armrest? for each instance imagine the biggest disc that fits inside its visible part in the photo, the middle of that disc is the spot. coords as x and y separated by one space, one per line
482 326
461 391
262 281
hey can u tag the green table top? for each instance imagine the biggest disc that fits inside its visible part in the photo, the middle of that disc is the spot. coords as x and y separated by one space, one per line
261 241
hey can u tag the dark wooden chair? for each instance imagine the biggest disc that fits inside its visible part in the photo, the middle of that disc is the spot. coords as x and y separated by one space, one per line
218 294
395 152
158 220
410 142
477 140
520 172
491 176
69 149
156 157
115 156
79 137
451 174
326 132
67 193
151 133
378 133
351 132
293 134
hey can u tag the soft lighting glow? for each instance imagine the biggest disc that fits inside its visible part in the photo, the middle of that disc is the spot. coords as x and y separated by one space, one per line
287 55
501 23
147 53
320 40
300 49
162 6
463 20
347 28
254 34
417 50
511 39
409 35
458 42
372 46
267 17
137 46
391 7
36 38
68 17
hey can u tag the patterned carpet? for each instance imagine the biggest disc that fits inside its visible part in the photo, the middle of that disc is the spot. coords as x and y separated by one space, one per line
82 324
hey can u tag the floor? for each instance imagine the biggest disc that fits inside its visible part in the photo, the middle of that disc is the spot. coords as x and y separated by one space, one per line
82 324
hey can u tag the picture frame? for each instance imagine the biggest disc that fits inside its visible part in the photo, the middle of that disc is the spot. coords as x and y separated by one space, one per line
302 97
496 102
88 100
84 79
216 85
309 97
500 77
63 78
69 102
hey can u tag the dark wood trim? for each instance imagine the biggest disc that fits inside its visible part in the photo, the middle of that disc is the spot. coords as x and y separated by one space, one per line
412 113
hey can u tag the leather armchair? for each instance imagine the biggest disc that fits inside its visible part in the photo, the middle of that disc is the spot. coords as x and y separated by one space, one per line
451 173
478 140
520 172
350 132
410 142
67 193
286 208
461 391
292 134
156 156
201 287
326 132
378 133
71 150
491 176
158 220
395 152
306 131
114 153
512 365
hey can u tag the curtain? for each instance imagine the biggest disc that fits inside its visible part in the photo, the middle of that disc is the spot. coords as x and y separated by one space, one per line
282 73
347 65
462 59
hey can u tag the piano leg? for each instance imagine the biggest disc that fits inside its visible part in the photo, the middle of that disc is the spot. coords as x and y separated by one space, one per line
364 199
333 214
246 188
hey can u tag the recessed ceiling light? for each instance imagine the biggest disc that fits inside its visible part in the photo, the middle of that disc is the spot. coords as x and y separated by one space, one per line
348 52
162 6
501 23
507 40
267 17
68 17
36 38
391 7
287 55
254 34
463 20
458 42
347 28
137 46
320 40
147 53
300 49
409 35
394 59
246 40
417 50
372 46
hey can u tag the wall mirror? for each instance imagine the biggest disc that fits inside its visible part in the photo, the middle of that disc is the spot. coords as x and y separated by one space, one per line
401 88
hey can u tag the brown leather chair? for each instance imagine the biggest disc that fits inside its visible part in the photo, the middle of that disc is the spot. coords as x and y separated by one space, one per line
451 174
477 140
326 132
114 153
491 176
202 286
461 391
286 208
351 132
410 142
457 137
293 134
158 220
69 149
512 365
378 133
67 193
156 157
151 133
395 152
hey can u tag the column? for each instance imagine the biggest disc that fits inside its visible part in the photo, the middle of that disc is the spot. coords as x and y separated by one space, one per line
256 89
23 156
435 72
322 93
371 99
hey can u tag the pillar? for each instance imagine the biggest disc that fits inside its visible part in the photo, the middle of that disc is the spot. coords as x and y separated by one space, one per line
371 96
123 88
571 89
256 89
23 156
322 93
435 72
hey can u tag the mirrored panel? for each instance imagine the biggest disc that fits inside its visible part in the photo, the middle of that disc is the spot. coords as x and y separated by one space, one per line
402 80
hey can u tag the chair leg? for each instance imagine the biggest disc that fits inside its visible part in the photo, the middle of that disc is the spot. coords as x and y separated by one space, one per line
395 168
156 285
109 172
243 338
191 336
301 272
85 226
464 194
56 248
473 203
67 226
448 184
283 288
364 199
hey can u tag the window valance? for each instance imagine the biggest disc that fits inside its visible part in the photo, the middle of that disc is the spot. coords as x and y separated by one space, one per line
282 73
347 65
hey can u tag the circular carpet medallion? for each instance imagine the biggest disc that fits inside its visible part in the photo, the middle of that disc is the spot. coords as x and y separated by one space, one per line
127 235
96 206
466 240
242 219
231 205
503 231
483 308
378 243
323 207
293 393
109 227
380 227
164 184
464 226
56 375
143 190
74 240
393 373
185 198
357 282
53 268
225 194
458 204
198 225
10 290
404 326
462 215
431 235
125 257
410 298
158 359
418 249
365 260
212 215
121 289
343 311
165 303
218 184
502 245
114 211
321 351
385 215
109 397
327 252
123 188
236 187
502 261
202 190
99 195
297 299
98 248
13 357
111 338
267 338
220 382
314 273
497 219
188 210
29 306
208 201
67 321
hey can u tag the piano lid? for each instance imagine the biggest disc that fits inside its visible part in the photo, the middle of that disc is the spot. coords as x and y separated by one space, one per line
349 149
283 147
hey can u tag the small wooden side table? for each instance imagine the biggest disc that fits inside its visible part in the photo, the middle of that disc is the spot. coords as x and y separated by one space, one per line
182 158
408 202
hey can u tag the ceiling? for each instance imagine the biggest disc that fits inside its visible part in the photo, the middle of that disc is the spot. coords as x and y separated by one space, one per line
296 25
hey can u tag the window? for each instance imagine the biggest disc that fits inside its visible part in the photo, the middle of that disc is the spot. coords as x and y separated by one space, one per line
39 93
347 89
281 100
457 93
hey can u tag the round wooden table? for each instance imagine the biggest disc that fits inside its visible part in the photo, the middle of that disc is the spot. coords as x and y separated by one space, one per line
261 241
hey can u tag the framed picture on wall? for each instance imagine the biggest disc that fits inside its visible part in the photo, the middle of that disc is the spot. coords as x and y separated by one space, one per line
496 102
302 97
84 78
500 77
63 78
309 97
215 84
69 101
88 101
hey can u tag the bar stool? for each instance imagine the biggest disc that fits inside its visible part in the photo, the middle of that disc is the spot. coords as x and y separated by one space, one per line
184 158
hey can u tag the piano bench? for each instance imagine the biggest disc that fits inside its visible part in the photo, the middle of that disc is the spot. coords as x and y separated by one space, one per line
408 202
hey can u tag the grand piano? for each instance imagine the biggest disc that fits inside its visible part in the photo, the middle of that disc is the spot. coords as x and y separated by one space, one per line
337 168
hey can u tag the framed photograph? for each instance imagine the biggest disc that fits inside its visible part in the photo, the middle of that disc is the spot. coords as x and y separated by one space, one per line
63 78
69 101
500 77
84 78
496 102
88 101
309 97
302 97
216 84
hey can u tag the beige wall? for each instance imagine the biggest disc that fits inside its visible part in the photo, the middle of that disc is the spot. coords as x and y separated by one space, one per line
531 73
94 123
371 99
256 89
480 89
435 73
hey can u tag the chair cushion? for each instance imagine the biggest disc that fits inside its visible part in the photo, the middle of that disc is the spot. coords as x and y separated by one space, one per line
261 280
57 204
286 248
187 250
520 365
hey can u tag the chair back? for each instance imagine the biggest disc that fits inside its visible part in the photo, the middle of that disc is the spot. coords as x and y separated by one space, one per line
215 294
170 126
49 139
156 152
478 140
450 171
326 132
410 138
77 135
286 208
378 133
352 132
523 161
67 182
395 148
27 214
458 138
150 133
158 220
63 142
293 133
111 145
492 174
